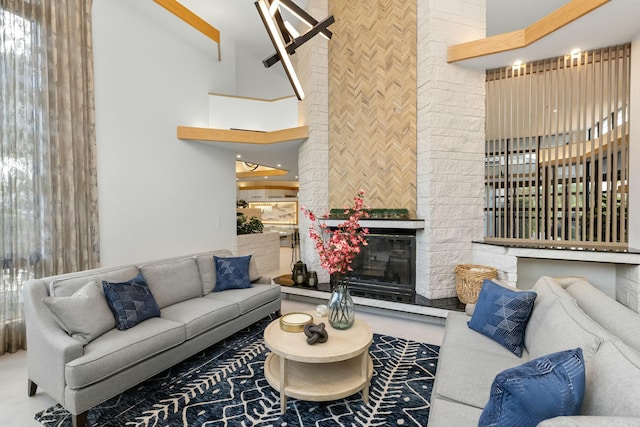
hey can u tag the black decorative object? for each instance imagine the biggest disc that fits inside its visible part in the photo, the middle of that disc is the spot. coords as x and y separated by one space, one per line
299 273
315 333
312 279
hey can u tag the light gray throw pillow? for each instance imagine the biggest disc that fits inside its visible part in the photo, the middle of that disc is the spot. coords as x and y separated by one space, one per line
85 315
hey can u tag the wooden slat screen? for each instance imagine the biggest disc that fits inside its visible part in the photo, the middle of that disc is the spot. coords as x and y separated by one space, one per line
557 151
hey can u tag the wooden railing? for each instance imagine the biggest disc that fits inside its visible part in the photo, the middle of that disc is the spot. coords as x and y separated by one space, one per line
557 152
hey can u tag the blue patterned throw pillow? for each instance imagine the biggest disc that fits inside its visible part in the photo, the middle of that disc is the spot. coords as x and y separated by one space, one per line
502 315
547 387
131 302
232 273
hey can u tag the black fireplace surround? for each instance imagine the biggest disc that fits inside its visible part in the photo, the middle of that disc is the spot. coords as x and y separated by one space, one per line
386 267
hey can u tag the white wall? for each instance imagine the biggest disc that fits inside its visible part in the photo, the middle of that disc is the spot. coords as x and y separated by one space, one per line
254 80
158 196
600 275
231 112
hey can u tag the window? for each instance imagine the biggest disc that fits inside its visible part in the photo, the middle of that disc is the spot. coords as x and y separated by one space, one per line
20 110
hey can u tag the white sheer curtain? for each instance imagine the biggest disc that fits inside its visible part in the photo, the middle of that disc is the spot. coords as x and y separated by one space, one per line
48 193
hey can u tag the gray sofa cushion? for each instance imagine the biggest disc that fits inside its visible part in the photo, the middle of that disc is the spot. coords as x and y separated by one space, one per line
457 331
201 314
613 381
250 298
444 413
173 281
469 362
117 350
571 328
590 421
465 374
548 290
85 315
68 284
609 313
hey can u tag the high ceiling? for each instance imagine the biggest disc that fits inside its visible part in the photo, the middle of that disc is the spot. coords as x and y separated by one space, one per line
613 23
237 20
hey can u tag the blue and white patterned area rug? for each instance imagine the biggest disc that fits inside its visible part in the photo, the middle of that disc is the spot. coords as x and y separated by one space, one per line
225 386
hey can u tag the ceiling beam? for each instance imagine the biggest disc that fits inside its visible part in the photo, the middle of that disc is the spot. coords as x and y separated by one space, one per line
243 136
192 19
526 36
260 174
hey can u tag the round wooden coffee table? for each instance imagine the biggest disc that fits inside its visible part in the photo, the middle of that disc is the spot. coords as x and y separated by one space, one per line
332 370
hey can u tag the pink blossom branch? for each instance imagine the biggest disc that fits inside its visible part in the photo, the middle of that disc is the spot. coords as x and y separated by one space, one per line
338 248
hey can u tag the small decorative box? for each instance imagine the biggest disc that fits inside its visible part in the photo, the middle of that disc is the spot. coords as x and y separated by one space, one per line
295 322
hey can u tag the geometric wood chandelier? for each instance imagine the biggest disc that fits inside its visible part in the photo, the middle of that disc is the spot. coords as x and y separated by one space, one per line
285 38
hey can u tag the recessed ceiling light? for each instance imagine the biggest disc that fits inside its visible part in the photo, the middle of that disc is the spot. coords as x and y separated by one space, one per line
517 64
575 53
279 165
238 156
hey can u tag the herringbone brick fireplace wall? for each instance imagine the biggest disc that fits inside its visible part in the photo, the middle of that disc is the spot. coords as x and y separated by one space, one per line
372 103
388 114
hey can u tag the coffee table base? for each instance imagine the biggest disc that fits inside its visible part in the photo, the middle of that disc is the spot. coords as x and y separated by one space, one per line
318 382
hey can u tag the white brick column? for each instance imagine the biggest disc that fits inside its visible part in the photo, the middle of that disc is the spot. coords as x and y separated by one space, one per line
313 155
450 146
627 285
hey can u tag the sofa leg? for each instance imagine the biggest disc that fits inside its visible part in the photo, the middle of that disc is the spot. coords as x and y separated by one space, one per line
31 388
79 420
278 314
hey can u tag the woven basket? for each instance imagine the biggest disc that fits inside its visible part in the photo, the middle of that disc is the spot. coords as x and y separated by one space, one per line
469 278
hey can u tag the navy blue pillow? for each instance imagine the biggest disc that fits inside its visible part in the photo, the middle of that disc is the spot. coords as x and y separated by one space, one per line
502 315
547 387
232 273
131 302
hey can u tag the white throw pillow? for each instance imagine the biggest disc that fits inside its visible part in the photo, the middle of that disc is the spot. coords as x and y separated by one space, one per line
85 315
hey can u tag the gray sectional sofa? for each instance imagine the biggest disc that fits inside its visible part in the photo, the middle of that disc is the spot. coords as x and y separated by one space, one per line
84 371
567 313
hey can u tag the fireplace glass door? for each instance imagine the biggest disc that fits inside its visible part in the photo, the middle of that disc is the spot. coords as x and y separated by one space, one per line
385 268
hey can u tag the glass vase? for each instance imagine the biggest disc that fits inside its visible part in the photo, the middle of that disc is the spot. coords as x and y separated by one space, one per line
341 309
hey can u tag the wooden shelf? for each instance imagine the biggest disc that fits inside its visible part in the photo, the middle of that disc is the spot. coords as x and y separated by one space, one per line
319 382
242 136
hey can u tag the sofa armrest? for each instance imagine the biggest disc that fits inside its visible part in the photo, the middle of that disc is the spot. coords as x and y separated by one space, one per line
49 346
590 421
